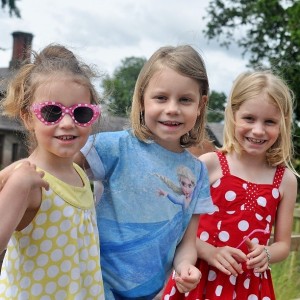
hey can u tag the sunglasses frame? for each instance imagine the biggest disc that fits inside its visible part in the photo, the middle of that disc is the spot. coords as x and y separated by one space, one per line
36 108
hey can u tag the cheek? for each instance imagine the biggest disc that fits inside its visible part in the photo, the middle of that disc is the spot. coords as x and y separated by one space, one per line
85 132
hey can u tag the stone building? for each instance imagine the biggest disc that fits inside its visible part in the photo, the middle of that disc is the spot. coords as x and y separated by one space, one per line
11 143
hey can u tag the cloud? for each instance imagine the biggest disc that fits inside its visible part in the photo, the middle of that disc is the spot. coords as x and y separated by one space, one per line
105 32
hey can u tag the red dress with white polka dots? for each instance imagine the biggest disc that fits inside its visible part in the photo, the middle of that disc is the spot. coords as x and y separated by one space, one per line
242 209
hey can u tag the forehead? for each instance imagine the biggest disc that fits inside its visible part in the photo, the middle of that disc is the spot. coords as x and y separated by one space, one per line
261 105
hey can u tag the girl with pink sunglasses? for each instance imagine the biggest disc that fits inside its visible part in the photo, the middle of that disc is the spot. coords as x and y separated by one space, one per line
53 252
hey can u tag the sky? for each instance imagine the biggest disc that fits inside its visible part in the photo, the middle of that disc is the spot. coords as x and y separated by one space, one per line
104 32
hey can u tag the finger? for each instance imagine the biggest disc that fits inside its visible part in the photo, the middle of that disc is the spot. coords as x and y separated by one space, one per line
45 185
229 266
262 268
249 244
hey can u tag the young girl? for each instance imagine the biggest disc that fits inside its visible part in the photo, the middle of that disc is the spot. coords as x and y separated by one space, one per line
54 249
253 186
140 232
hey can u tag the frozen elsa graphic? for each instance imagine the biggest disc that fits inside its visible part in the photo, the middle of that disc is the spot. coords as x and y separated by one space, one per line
187 182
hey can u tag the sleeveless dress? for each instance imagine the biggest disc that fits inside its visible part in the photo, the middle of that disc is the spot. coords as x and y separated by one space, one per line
242 209
57 255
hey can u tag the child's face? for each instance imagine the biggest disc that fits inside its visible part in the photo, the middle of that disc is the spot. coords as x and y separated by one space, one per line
171 107
257 125
64 138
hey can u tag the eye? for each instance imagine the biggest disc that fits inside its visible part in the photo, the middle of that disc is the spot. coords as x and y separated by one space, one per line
185 100
160 98
270 122
248 119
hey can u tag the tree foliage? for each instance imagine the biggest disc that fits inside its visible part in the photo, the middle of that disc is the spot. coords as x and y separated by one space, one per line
266 29
216 106
120 86
269 31
13 9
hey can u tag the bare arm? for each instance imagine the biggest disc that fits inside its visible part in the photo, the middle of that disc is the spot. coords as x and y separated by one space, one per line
226 259
14 197
187 275
280 248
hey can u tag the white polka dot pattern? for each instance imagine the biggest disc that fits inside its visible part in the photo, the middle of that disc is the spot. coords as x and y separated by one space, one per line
57 255
243 209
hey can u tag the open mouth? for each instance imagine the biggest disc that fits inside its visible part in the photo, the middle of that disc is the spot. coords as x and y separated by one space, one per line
256 141
171 123
66 137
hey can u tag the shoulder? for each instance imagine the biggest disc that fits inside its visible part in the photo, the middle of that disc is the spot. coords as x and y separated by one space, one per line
212 163
288 188
111 135
106 140
289 181
210 159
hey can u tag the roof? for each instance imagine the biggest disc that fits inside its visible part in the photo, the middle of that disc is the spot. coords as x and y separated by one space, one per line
8 124
217 130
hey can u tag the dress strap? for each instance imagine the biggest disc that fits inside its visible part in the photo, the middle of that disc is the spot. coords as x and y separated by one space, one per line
223 163
278 176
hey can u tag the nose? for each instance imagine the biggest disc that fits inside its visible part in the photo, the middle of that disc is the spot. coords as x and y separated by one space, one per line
67 121
172 107
258 128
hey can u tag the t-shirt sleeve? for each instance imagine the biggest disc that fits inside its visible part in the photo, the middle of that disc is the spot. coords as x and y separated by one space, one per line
96 170
202 192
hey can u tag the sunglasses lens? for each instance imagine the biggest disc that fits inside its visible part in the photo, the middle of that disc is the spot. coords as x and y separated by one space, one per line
51 113
83 114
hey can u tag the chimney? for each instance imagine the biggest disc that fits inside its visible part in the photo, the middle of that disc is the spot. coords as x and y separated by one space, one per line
22 42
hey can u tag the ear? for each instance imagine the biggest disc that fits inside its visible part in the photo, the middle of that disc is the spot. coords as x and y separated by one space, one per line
27 120
202 103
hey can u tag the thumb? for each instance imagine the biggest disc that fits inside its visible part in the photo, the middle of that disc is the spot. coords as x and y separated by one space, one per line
249 244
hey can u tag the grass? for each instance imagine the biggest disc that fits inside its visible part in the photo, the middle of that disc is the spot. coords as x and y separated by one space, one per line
286 277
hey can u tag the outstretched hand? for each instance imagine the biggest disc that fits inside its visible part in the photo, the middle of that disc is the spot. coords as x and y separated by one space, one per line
186 277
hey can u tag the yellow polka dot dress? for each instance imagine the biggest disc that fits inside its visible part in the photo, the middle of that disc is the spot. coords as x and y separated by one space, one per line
57 255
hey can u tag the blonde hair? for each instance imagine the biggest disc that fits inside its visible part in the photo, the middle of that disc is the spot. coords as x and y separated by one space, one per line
184 60
249 85
52 61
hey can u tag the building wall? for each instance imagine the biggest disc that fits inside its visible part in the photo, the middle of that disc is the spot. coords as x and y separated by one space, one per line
13 147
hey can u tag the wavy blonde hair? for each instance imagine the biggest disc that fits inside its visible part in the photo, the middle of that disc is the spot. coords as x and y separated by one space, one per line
249 85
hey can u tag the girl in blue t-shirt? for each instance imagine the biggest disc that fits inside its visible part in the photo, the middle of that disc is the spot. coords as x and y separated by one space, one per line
143 235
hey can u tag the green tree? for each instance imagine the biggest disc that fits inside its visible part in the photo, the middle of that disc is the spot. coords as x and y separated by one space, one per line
120 86
216 106
13 9
267 29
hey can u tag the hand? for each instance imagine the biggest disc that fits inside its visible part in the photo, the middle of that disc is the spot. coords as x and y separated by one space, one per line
160 192
186 277
228 260
25 173
257 257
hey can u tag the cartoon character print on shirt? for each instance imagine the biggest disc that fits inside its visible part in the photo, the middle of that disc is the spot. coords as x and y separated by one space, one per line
187 182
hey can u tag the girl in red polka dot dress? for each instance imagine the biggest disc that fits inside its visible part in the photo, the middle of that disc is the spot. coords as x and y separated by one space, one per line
253 186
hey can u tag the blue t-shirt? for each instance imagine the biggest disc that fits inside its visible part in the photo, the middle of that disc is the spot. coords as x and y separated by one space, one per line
143 212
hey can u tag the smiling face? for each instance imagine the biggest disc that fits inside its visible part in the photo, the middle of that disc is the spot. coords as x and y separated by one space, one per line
257 125
171 107
64 138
